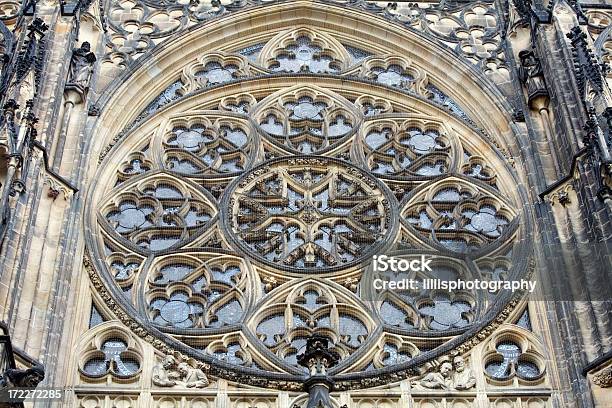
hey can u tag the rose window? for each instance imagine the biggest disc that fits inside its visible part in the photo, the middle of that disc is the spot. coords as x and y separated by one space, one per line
232 222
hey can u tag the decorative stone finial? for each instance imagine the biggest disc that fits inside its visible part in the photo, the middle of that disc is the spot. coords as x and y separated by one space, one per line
318 357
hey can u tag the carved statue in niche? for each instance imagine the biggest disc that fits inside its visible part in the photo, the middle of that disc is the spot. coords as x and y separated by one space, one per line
463 378
531 75
192 377
455 376
81 66
171 372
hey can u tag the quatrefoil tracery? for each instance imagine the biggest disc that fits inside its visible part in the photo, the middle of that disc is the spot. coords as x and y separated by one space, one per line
478 168
394 71
443 311
389 350
124 268
136 164
213 69
233 349
303 50
157 212
460 217
241 103
370 106
420 310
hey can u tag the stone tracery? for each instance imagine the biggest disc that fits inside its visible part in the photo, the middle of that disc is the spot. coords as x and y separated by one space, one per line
306 215
301 179
306 119
157 213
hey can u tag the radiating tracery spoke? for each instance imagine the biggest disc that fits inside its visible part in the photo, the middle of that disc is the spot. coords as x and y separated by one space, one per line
306 216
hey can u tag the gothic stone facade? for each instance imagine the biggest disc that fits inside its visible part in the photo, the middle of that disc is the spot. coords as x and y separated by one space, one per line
192 190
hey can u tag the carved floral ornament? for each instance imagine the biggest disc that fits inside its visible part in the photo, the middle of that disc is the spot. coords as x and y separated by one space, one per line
241 220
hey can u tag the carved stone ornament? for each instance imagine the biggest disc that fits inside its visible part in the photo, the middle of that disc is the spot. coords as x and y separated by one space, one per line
561 195
442 379
463 378
318 357
165 373
450 376
531 75
55 187
605 191
28 378
81 66
169 373
604 378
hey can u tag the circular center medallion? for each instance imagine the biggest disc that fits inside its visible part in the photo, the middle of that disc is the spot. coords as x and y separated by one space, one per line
306 110
309 214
